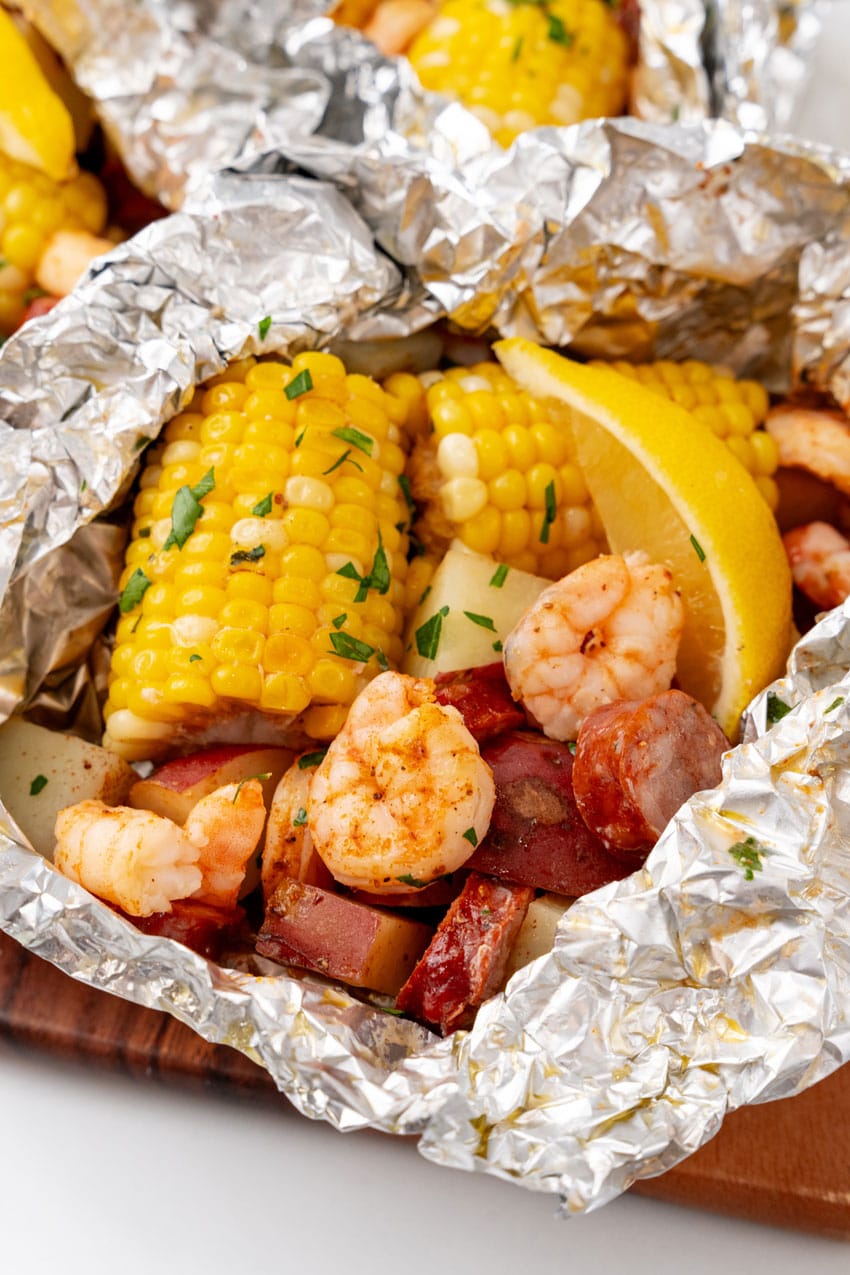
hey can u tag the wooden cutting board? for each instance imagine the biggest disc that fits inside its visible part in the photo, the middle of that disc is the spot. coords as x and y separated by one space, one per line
785 1163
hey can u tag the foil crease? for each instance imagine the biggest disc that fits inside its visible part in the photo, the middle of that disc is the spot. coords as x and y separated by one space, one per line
184 89
671 997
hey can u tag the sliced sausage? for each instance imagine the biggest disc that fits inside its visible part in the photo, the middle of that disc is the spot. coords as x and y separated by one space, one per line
466 960
537 836
483 699
637 762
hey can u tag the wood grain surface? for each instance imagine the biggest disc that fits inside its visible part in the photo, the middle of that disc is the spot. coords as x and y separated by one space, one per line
784 1163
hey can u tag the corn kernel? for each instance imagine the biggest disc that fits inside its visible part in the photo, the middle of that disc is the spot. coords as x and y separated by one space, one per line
331 682
238 646
267 375
739 419
451 416
306 526
202 600
148 702
284 693
769 490
319 365
541 478
369 417
244 613
288 617
482 532
288 652
223 427
522 450
765 453
326 721
353 518
237 681
756 399
463 498
515 534
160 601
192 574
508 490
742 448
298 590
305 561
227 397
184 688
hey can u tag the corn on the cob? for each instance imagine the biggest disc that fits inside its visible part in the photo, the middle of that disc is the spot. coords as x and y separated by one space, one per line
32 208
526 63
735 411
267 563
498 472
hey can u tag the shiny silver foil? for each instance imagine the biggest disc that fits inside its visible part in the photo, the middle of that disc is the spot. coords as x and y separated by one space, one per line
184 88
671 997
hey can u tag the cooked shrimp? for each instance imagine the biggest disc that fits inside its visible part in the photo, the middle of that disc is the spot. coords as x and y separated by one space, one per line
288 850
226 826
820 563
132 858
818 441
609 630
402 796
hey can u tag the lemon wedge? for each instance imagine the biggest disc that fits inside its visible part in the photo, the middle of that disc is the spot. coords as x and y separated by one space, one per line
35 126
663 482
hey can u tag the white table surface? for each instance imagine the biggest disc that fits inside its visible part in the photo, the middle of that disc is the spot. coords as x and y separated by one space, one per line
105 1176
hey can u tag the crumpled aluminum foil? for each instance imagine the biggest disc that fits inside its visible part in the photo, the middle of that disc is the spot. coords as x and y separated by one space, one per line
183 89
671 997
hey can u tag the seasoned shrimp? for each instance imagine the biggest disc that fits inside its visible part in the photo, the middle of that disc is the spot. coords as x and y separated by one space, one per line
402 796
226 826
143 862
609 630
132 858
820 563
288 850
394 23
815 440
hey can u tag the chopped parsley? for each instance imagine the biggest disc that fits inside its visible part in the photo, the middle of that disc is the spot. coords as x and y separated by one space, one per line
33 294
300 384
407 879
572 745
424 594
38 785
427 637
83 485
550 513
340 460
748 854
776 708
194 658
377 578
308 760
300 819
698 549
497 646
266 774
263 327
483 621
144 533
263 507
247 555
134 590
517 49
558 32
499 576
187 509
339 620
836 703
141 441
471 836
351 648
356 437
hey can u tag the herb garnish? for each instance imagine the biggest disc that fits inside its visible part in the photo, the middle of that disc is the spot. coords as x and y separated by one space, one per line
247 555
571 744
836 703
427 637
404 484
550 513
377 578
471 836
194 658
483 621
300 819
263 327
263 506
407 879
266 774
497 646
300 384
499 576
698 549
423 595
776 708
356 437
748 854
134 590
38 785
187 509
308 760
144 533
340 460
351 648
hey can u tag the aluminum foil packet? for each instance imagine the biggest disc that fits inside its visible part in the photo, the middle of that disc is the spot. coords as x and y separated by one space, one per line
183 89
704 981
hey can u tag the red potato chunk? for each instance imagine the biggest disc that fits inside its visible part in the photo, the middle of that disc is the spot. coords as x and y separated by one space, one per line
173 789
200 926
467 958
537 836
334 936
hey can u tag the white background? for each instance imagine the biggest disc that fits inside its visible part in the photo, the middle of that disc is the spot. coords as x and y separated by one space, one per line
103 1175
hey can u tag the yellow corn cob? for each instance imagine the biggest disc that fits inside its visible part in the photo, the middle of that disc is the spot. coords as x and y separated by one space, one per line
286 595
498 472
526 63
32 208
735 410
